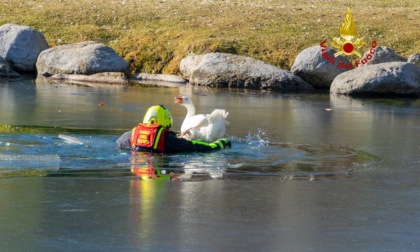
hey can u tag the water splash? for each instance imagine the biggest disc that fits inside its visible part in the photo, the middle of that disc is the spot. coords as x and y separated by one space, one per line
253 139
260 138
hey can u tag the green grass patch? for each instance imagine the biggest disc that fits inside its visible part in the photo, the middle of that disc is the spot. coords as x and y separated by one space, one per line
153 36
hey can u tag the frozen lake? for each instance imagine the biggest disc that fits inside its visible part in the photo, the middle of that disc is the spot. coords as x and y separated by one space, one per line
306 172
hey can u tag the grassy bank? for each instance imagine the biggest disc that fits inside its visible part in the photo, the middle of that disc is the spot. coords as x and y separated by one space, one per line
153 36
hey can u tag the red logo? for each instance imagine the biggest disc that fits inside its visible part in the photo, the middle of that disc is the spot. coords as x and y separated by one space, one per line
348 45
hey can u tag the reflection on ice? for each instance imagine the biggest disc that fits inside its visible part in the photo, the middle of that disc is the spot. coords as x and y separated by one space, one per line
23 162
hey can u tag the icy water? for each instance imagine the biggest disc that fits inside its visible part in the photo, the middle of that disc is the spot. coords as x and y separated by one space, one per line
306 172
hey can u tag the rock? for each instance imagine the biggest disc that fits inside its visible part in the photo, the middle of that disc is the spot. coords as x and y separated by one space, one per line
382 55
20 46
84 58
6 71
159 78
105 77
414 59
393 78
190 63
317 68
234 71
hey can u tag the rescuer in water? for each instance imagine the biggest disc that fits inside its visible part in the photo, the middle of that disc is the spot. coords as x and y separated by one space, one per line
153 135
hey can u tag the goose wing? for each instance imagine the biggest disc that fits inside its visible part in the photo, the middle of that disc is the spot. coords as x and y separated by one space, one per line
196 121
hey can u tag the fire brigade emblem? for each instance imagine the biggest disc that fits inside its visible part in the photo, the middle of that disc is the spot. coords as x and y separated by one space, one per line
348 43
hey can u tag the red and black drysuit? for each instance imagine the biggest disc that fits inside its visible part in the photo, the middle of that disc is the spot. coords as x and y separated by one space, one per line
155 138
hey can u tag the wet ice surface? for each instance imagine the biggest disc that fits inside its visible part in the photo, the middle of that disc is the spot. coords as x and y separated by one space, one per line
122 214
250 158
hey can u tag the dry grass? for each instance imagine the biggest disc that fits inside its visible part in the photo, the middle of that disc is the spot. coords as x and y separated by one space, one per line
153 36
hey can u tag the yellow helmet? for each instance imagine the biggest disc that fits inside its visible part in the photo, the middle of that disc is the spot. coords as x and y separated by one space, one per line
158 114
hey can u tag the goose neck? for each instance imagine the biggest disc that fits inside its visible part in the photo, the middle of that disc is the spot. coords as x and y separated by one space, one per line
190 110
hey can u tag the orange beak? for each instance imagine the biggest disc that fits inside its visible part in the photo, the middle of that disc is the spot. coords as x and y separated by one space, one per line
178 100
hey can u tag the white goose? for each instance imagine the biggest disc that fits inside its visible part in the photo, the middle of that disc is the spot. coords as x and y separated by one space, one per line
206 127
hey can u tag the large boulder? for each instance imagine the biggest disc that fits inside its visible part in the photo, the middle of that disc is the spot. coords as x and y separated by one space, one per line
190 63
20 46
318 66
235 71
84 58
382 54
6 71
393 78
414 59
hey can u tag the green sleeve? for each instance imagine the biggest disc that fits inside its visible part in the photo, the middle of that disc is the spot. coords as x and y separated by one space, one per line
174 144
219 144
